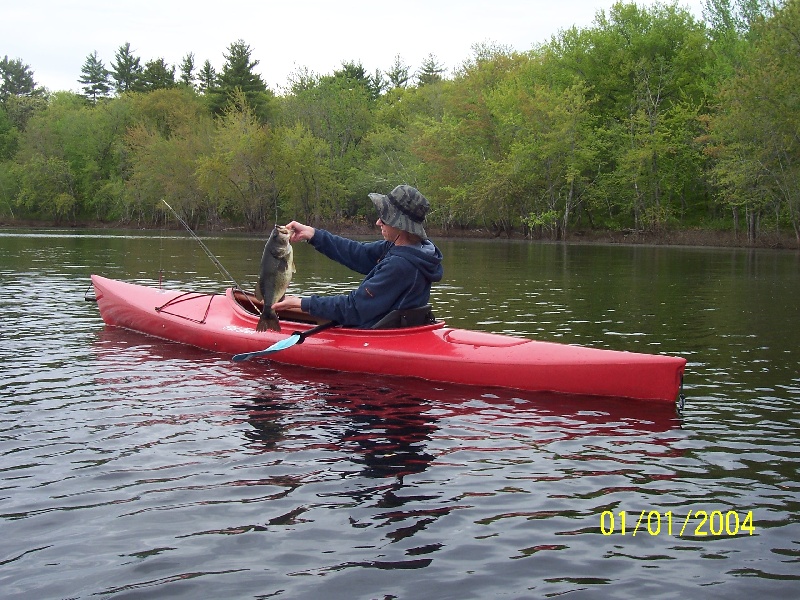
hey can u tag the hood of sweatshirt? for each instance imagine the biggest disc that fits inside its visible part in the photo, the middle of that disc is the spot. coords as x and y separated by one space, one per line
425 256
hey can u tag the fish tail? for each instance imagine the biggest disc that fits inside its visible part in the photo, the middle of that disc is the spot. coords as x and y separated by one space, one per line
268 320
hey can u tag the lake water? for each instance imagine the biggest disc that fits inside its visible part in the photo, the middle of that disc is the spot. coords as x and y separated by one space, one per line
135 468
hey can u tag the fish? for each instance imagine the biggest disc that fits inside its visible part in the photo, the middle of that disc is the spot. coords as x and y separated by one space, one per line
277 268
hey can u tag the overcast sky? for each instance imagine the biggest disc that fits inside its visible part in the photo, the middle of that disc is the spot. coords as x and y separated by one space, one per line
54 37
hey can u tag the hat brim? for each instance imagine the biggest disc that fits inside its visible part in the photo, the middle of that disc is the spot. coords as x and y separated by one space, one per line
394 218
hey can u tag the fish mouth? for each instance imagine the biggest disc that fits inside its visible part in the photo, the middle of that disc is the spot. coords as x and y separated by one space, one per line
282 229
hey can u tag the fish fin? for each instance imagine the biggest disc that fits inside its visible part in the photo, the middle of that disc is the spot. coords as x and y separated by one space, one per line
268 320
259 295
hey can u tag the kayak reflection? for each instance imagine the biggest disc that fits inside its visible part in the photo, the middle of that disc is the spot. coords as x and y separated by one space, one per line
386 426
387 437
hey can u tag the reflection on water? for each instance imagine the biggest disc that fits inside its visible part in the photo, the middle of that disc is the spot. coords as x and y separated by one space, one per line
134 468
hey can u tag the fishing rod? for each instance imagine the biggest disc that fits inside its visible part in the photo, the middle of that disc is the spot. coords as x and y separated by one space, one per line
223 271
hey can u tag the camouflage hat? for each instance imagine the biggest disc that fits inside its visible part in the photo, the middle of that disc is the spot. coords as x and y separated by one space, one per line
404 208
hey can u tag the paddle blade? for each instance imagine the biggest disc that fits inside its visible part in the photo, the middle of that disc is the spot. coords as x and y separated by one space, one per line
276 347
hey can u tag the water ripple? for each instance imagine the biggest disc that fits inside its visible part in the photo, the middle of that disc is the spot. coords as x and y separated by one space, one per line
135 468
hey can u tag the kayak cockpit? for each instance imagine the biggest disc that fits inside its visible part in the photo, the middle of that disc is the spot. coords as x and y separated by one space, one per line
246 303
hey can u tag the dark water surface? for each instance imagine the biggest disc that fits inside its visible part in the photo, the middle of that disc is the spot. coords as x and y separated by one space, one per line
135 468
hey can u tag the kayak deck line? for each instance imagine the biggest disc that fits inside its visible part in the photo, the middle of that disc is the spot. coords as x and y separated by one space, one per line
226 323
184 297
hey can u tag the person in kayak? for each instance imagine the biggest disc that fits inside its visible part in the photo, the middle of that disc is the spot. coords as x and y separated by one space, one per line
399 270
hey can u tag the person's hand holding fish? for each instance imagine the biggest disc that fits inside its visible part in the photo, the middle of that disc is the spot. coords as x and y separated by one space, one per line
288 303
299 232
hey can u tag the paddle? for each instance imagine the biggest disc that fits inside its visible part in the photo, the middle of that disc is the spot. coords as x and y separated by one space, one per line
296 338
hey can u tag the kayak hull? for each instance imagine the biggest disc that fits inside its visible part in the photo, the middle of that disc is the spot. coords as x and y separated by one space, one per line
220 323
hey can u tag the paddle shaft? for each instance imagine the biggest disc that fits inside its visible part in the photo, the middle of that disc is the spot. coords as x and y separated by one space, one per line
296 338
304 334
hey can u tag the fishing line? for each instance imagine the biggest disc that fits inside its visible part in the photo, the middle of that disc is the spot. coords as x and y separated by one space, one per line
223 271
402 171
161 253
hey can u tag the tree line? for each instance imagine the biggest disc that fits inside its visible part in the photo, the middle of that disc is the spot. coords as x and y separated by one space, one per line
649 119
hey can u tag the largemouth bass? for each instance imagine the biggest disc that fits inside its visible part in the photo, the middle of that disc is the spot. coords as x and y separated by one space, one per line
277 266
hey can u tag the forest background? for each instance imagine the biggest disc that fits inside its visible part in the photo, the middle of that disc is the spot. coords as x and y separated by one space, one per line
650 124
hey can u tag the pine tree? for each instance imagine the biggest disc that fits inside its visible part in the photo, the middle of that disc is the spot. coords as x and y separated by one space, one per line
158 75
431 71
355 72
94 78
399 73
207 78
126 70
187 70
238 70
238 74
17 80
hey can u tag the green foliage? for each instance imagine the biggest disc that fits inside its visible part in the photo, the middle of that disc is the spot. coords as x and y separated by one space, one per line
16 79
355 74
20 109
541 222
648 119
20 99
238 173
84 138
46 187
170 133
755 136
339 110
9 188
9 137
644 70
305 184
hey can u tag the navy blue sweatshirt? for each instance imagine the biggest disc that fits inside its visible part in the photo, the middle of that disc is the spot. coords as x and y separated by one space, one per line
397 277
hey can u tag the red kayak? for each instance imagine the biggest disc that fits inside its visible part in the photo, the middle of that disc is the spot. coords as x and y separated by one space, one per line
226 323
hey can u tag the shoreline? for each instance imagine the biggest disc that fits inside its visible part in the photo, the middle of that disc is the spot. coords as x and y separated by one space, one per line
679 237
